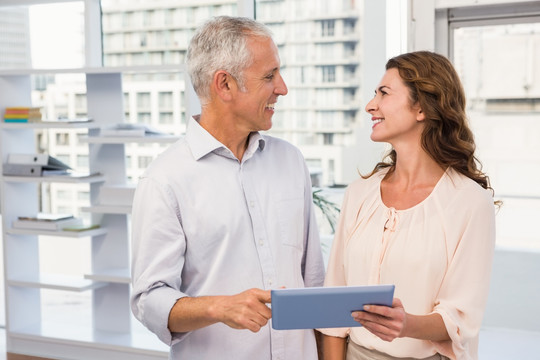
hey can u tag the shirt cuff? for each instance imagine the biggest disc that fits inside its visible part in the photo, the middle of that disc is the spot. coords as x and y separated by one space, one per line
157 305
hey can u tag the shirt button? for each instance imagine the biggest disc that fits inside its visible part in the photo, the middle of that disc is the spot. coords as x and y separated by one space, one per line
261 242
252 204
270 282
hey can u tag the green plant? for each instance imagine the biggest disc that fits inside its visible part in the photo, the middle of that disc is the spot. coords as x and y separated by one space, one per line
329 210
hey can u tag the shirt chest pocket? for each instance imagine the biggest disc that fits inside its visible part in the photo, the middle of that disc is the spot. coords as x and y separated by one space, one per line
290 215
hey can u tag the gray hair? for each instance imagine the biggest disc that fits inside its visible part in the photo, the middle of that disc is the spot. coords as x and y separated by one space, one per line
221 44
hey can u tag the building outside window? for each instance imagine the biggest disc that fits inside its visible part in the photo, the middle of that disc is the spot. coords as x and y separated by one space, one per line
327 28
504 114
328 74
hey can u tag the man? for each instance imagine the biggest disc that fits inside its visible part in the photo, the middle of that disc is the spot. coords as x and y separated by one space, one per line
226 214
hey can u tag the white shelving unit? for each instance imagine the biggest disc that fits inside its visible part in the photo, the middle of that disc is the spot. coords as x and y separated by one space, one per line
111 334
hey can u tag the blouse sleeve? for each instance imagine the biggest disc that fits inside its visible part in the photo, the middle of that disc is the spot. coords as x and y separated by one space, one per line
464 291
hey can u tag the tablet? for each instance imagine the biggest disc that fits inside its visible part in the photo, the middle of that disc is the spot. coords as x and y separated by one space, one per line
325 307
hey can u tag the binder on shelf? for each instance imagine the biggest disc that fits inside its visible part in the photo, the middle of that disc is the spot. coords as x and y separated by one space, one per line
19 164
21 169
37 159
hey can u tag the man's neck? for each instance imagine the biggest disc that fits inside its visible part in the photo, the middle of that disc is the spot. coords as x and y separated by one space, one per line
224 129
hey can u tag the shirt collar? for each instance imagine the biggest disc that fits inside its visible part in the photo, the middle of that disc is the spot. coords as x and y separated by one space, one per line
201 142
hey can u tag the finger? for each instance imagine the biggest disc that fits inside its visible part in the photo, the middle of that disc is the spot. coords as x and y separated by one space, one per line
265 312
379 310
367 316
257 323
264 296
379 330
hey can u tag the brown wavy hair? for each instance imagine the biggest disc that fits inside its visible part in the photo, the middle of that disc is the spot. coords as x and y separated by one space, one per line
435 85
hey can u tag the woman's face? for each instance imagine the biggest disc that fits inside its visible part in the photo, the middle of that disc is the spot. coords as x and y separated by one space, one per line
393 117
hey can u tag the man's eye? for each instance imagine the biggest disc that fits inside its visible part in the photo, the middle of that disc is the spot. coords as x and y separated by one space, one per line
269 77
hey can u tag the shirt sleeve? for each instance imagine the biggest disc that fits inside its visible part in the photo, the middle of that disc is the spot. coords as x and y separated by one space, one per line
464 291
312 260
158 245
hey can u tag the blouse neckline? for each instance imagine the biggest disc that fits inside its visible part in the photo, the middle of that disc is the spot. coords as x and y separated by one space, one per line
391 208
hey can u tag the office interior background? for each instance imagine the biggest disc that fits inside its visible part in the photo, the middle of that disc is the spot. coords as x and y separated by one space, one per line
333 55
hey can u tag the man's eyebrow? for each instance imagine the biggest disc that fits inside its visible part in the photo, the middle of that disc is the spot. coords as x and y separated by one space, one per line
271 71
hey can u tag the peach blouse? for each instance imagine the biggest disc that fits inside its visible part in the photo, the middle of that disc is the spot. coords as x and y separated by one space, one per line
438 254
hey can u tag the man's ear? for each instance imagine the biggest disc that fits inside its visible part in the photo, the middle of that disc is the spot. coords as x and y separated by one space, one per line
224 85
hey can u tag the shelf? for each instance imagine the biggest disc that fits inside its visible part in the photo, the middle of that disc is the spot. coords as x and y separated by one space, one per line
56 179
108 329
121 276
57 282
72 234
49 125
130 139
134 345
108 209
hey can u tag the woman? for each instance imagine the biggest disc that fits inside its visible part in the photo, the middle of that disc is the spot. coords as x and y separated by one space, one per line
423 220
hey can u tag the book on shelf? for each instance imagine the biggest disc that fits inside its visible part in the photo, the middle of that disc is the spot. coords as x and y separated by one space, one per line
46 221
81 227
19 164
22 114
128 129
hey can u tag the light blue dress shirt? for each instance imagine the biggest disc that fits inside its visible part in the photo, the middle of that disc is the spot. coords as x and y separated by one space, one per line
205 223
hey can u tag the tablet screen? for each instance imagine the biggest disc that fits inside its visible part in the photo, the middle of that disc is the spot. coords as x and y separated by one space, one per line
325 307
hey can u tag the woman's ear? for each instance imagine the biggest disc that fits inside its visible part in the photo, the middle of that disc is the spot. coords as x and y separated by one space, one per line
420 116
224 85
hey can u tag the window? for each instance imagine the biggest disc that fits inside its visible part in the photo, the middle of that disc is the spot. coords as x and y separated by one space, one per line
27 31
64 195
165 99
348 26
328 139
327 28
63 158
62 139
135 34
166 118
144 117
503 111
83 196
144 161
143 100
82 161
328 74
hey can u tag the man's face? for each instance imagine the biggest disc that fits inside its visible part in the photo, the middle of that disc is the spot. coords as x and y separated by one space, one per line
254 105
